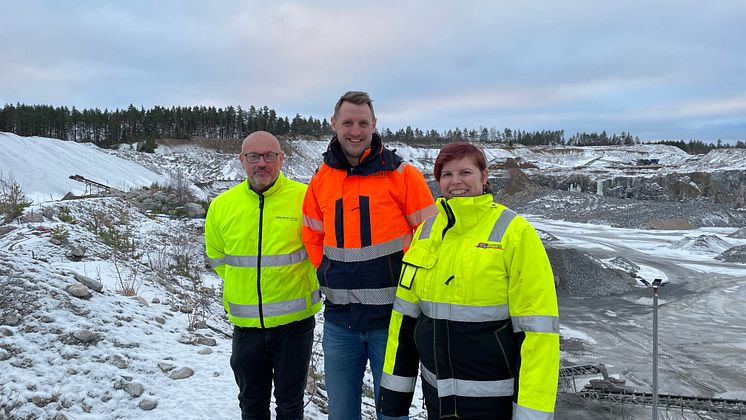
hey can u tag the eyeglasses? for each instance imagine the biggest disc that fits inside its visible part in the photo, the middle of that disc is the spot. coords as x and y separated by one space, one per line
269 157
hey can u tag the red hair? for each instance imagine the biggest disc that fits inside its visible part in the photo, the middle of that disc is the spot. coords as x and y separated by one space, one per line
458 150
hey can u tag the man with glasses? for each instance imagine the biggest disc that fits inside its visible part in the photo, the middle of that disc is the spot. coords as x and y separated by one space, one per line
270 291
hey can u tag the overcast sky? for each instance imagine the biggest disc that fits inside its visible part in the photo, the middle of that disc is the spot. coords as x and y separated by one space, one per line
657 69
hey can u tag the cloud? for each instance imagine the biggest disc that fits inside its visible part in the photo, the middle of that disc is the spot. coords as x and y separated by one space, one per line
444 63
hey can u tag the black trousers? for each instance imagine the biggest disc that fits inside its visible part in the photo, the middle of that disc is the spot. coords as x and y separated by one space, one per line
280 354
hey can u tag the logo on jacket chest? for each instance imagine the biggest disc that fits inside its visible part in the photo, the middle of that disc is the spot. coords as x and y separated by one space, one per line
287 218
485 245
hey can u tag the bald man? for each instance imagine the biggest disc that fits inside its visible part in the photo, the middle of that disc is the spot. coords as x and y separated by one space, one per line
270 292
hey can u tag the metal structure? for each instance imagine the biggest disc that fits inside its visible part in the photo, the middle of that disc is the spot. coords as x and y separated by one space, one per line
614 390
656 285
670 402
568 374
90 185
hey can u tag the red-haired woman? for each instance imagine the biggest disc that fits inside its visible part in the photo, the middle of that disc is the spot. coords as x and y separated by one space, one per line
476 309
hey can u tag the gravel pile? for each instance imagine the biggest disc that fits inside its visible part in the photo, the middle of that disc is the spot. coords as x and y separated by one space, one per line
740 234
736 254
578 274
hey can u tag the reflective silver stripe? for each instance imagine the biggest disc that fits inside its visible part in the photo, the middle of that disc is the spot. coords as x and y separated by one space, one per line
313 224
365 253
214 262
532 323
398 383
427 227
401 167
315 296
278 260
417 217
406 308
501 225
286 307
428 376
467 388
406 240
525 413
464 313
383 296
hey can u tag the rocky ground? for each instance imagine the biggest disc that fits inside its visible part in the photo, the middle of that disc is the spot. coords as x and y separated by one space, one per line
146 352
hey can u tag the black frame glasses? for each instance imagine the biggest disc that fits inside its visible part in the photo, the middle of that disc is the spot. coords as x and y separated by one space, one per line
268 157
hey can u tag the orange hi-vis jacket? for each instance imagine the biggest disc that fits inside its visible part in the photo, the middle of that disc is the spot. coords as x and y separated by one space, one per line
357 223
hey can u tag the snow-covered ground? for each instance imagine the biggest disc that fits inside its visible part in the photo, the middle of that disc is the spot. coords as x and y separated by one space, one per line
46 370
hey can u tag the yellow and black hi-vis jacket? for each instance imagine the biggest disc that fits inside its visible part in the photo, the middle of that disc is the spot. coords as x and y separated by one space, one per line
476 312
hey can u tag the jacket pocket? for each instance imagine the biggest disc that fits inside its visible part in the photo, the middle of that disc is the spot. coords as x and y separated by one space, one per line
407 275
321 271
506 343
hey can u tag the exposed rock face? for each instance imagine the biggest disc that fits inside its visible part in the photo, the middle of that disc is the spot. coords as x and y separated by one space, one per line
580 207
726 187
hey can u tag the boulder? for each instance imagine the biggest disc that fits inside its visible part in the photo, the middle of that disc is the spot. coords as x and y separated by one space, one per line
181 373
79 291
89 282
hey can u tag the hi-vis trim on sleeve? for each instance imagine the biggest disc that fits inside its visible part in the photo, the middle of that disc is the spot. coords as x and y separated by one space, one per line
464 313
366 253
501 225
214 262
417 217
273 309
401 167
468 388
525 413
313 224
406 308
532 323
383 296
427 227
398 383
278 260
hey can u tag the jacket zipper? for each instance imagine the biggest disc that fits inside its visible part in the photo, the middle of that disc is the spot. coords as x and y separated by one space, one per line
259 262
449 215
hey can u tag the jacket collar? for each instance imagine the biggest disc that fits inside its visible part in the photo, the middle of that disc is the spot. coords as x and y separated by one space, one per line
335 157
467 212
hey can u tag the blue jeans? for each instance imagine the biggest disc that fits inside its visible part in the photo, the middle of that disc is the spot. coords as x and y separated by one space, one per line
346 352
279 354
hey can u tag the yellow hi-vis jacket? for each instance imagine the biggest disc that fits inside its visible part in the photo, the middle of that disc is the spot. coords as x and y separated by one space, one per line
476 312
254 243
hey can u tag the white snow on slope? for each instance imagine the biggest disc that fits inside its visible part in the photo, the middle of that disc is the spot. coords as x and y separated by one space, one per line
42 167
